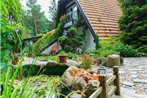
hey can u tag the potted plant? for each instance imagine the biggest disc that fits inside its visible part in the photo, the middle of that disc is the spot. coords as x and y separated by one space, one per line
62 57
15 59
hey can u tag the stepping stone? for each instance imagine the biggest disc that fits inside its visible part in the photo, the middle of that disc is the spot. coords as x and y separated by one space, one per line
136 69
132 72
127 90
121 72
134 76
139 81
128 83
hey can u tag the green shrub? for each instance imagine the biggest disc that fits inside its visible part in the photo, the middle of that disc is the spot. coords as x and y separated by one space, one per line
72 55
86 61
128 51
71 41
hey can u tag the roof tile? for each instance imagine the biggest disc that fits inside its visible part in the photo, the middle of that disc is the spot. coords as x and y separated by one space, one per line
103 16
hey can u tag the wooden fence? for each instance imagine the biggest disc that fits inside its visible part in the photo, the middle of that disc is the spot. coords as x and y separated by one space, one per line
108 86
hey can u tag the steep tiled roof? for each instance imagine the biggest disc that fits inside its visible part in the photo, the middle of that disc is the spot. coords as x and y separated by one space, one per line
102 15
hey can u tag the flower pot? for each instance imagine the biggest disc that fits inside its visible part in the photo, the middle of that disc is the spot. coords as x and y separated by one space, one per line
62 59
15 62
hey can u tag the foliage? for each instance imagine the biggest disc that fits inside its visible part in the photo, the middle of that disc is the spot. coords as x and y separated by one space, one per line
11 29
35 20
112 45
14 57
71 41
53 13
62 53
86 61
133 24
28 87
72 55
128 51
46 58
54 34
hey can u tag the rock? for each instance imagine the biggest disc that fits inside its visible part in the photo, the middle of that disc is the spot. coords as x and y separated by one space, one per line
41 63
128 83
101 61
139 81
78 84
113 60
127 90
134 76
71 63
79 65
75 96
91 87
51 63
98 61
67 79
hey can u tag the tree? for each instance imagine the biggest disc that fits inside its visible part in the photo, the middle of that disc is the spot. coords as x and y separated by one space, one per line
35 20
133 24
53 13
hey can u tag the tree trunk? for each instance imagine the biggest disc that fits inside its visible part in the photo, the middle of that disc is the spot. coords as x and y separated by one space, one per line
35 24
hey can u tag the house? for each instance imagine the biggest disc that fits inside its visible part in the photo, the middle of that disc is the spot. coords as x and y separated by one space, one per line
93 17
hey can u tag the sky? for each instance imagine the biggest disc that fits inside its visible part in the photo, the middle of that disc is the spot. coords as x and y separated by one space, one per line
44 6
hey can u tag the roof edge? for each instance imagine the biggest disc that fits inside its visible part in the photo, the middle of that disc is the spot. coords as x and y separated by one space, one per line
87 21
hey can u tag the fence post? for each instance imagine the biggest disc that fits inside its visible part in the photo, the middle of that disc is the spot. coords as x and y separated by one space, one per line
117 80
104 86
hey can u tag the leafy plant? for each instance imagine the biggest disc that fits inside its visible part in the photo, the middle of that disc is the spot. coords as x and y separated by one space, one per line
71 41
11 29
87 61
62 53
72 55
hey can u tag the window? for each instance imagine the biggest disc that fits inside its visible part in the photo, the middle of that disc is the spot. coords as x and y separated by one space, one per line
72 13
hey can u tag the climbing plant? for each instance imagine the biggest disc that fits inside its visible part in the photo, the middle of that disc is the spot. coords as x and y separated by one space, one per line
71 41
47 38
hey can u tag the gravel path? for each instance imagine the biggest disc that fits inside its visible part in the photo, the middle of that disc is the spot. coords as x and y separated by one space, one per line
133 75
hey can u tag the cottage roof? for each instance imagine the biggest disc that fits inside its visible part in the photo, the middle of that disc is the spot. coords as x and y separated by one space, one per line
102 15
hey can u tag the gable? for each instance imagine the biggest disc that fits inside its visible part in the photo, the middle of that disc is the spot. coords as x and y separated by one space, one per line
102 15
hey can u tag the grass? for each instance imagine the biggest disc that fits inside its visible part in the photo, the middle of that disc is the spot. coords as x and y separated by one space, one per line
38 86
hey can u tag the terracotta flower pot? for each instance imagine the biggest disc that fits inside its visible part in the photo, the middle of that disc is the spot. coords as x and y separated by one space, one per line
15 62
62 59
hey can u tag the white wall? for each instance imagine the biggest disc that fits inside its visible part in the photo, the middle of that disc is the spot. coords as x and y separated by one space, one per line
89 43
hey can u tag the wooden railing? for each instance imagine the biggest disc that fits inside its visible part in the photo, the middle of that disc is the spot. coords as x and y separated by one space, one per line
103 91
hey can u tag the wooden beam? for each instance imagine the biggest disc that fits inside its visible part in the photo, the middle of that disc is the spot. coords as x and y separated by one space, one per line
96 93
117 80
104 85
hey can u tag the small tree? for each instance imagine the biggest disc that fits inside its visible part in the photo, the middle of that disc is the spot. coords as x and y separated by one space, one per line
71 41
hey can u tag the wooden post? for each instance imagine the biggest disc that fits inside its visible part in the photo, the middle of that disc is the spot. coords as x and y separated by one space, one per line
117 80
104 86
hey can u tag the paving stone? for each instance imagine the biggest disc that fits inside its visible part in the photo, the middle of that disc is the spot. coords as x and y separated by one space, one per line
134 76
127 90
140 80
128 83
